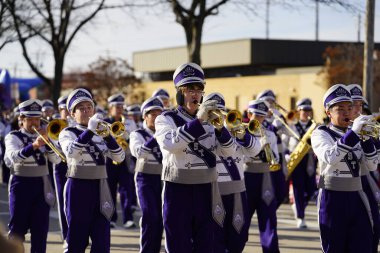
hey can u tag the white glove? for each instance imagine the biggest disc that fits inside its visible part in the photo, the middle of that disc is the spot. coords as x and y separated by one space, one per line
94 121
359 122
263 142
239 131
287 158
276 112
205 108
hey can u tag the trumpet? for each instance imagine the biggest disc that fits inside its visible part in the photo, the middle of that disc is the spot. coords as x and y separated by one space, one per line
370 129
105 129
63 158
233 118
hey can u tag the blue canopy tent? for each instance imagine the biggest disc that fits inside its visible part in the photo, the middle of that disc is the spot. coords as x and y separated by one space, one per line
5 89
24 85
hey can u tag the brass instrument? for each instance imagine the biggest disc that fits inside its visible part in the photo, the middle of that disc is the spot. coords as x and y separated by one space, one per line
273 165
301 149
63 158
55 127
370 129
278 107
105 129
287 127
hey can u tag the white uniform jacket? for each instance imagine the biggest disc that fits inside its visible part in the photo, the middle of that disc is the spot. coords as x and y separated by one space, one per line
342 154
188 146
17 153
79 151
145 149
227 166
259 157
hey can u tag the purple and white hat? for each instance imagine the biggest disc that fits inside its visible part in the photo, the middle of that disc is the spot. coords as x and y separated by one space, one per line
62 102
134 109
188 73
266 95
337 93
151 104
31 108
77 96
356 91
100 109
221 104
16 112
161 93
116 99
258 107
47 104
304 104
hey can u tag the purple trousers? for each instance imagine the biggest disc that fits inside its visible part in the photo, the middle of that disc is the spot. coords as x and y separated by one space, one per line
279 184
121 180
266 214
149 196
187 214
374 211
344 223
84 219
28 210
60 179
227 239
304 187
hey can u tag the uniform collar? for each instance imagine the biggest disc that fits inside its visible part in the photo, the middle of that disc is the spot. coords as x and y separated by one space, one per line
338 130
147 129
22 130
184 113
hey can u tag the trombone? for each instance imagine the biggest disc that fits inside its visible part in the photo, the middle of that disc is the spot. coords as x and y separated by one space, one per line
55 127
63 158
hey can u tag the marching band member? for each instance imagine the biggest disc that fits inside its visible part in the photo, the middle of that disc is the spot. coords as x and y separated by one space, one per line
303 176
145 149
368 183
260 187
88 202
233 236
30 193
119 177
188 143
134 113
164 96
60 171
47 109
277 127
344 213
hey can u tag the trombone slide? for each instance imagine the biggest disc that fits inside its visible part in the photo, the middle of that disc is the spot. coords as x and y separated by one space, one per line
63 158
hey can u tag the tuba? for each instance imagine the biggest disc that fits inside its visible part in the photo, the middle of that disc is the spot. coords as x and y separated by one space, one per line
301 149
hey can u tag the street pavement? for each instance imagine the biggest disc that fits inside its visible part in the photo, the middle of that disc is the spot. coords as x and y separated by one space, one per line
291 239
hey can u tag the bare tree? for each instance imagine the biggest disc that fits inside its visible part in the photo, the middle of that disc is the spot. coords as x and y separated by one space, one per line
54 23
7 33
191 15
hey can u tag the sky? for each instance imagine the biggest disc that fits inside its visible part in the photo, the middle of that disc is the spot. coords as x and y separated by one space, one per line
116 34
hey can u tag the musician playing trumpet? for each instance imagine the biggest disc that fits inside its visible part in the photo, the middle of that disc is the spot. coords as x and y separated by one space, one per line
30 193
233 236
303 176
189 145
274 121
368 183
344 215
88 202
261 192
120 179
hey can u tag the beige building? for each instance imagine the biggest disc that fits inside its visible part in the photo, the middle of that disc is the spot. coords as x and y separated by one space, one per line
241 69
238 91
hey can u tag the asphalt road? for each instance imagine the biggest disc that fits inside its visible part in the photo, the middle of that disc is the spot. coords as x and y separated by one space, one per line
291 239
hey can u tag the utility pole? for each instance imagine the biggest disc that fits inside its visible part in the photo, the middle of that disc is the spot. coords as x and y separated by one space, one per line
368 53
267 20
316 20
359 26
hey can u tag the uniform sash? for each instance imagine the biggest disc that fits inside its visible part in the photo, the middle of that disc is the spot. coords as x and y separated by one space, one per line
156 151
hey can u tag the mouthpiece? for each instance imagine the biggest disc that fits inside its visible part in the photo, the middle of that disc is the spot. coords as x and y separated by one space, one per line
347 119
